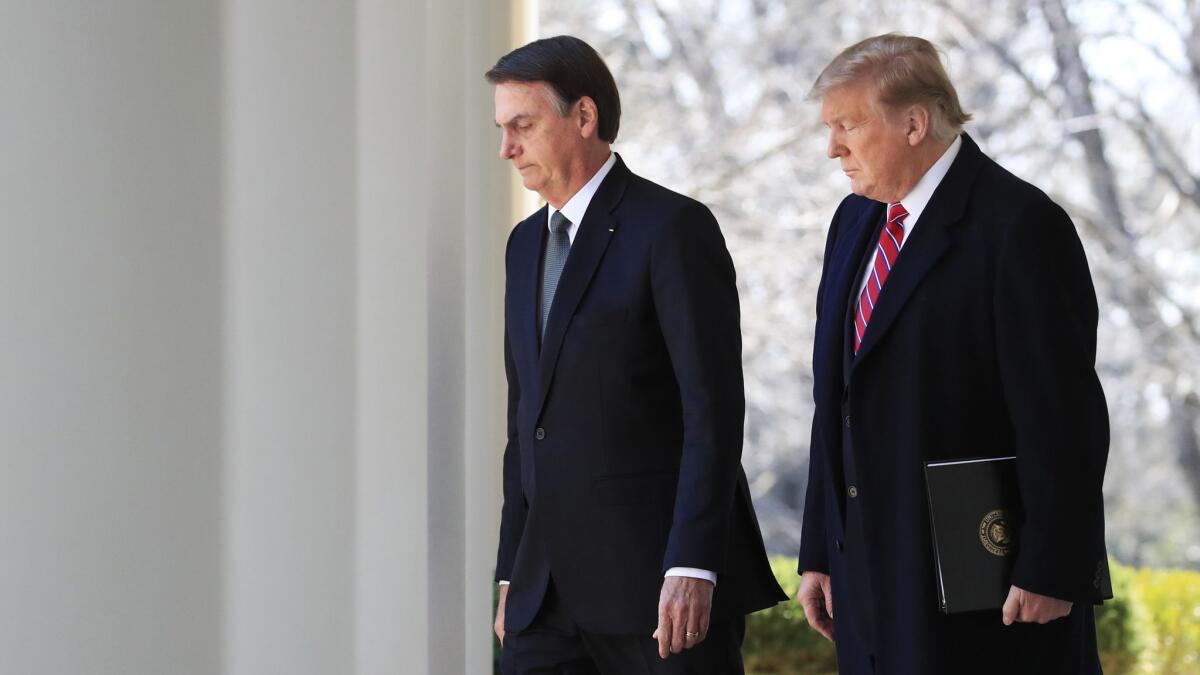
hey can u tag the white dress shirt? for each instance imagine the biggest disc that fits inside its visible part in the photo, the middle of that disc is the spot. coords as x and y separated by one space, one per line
915 202
577 205
574 210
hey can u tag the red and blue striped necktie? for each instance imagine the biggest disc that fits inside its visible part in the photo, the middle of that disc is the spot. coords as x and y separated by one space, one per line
887 250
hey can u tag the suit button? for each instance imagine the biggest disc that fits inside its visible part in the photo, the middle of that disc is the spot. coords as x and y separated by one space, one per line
540 433
852 491
847 421
839 545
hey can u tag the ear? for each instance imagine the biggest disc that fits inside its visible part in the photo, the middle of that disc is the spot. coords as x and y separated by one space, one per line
916 124
589 117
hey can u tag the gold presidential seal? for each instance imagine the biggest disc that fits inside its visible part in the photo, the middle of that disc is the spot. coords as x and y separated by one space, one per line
994 533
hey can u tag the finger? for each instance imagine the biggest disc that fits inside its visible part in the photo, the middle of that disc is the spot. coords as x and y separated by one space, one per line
695 631
823 625
1032 610
663 635
812 610
816 617
678 628
1012 606
827 589
705 617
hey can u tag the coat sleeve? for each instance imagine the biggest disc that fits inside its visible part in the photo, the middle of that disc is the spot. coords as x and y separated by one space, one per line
515 509
695 297
814 554
1045 331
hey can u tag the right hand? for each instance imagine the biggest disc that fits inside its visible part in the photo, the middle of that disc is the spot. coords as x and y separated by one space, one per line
816 597
499 625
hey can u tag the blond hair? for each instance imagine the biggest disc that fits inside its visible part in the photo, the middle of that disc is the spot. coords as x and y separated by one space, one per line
904 70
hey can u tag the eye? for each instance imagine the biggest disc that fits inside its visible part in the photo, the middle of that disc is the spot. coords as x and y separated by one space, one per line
525 126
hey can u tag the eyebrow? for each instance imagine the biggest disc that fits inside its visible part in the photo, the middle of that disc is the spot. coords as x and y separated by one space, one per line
515 119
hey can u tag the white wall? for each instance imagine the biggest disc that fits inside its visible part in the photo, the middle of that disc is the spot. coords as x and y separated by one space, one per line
250 395
110 347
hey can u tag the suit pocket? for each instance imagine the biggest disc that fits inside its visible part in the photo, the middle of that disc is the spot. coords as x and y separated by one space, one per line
635 489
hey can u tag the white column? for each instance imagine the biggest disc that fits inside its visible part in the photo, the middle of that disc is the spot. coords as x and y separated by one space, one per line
393 373
291 297
434 215
110 350
367 219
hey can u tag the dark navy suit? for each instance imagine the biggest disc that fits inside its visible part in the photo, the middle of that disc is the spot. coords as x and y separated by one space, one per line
982 343
625 422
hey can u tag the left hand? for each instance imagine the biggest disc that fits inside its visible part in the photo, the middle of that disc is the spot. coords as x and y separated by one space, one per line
683 612
1025 606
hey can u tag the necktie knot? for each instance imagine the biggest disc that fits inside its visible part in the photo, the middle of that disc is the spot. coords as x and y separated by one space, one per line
897 213
559 223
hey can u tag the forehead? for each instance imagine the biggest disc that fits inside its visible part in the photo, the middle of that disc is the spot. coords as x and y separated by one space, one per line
855 100
520 98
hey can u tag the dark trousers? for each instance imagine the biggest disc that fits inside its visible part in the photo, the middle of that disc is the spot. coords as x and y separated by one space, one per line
554 645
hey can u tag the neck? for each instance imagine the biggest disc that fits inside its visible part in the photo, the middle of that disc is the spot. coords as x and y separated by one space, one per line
925 156
578 173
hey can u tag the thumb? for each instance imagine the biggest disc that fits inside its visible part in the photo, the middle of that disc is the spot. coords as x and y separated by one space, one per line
828 590
1012 606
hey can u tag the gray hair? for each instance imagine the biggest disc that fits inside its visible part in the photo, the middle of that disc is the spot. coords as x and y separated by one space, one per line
905 70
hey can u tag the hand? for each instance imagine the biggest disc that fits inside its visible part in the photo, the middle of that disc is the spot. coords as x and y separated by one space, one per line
1025 606
816 597
499 625
683 612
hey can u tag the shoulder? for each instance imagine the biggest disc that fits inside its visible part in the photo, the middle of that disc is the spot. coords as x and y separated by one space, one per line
999 188
659 207
853 207
1017 210
525 229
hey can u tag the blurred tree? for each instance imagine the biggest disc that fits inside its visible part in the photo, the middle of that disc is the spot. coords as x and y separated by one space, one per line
1095 101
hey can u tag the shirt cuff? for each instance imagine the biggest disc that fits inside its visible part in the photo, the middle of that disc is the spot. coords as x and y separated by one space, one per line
694 573
503 582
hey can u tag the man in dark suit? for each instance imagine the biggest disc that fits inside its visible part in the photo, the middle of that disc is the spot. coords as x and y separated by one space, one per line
627 518
956 318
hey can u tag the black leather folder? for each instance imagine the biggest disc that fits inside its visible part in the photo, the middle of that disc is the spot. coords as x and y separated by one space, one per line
975 515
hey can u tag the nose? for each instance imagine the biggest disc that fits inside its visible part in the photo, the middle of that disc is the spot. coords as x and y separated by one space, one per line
835 148
507 146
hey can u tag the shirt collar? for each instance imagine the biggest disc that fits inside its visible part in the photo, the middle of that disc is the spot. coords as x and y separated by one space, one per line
577 205
918 198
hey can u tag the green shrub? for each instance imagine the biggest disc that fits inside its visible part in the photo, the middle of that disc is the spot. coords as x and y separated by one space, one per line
1172 602
1122 625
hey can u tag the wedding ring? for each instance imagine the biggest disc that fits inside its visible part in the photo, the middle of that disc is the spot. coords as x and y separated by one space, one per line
689 635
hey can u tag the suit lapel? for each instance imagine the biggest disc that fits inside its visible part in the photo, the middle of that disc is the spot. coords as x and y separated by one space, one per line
929 242
528 282
591 241
851 254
